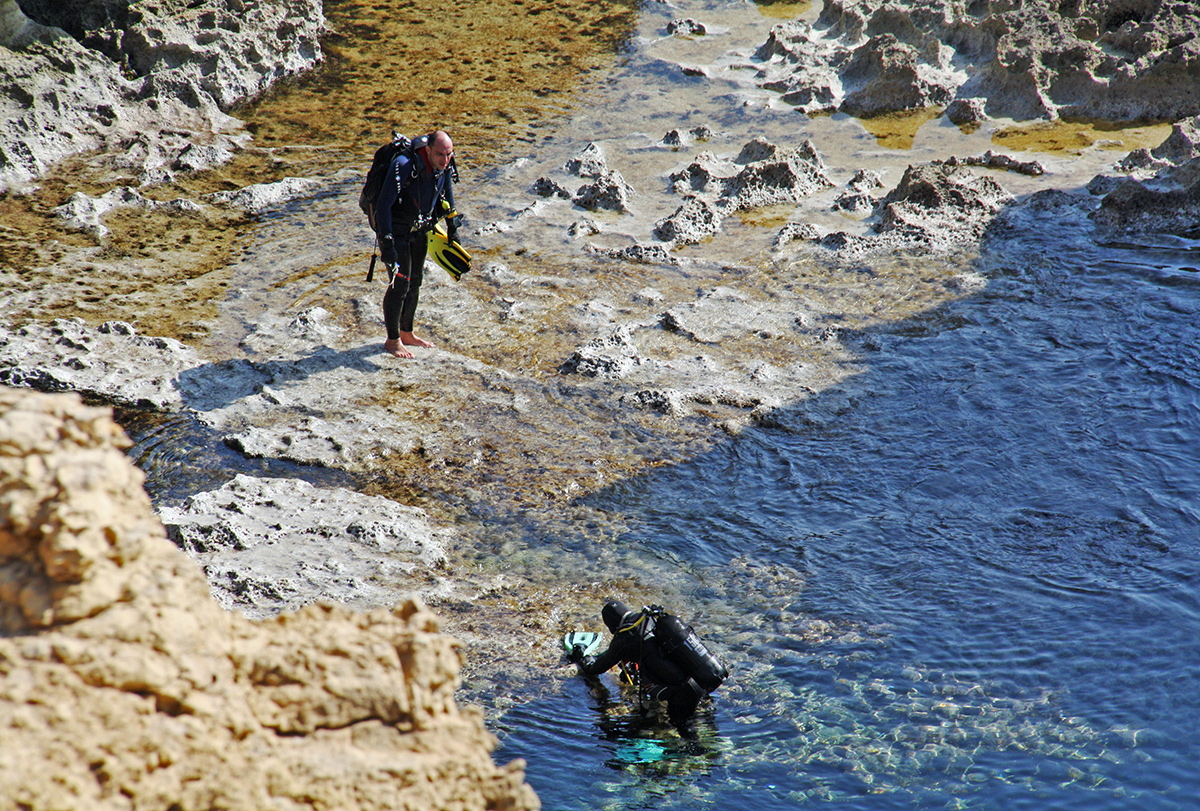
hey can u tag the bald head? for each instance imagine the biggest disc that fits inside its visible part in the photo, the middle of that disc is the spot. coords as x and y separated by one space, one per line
440 149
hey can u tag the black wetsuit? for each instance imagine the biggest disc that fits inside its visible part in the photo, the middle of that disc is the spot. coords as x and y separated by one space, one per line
659 677
408 199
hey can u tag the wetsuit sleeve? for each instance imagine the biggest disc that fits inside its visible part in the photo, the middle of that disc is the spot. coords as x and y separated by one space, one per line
617 651
389 192
448 191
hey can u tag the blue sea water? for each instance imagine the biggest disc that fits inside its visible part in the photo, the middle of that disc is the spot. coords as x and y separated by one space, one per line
999 543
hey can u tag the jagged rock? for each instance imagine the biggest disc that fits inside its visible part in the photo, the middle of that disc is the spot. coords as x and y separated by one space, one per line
854 202
612 357
758 149
864 180
795 231
610 191
967 112
886 76
856 199
545 187
125 685
686 27
706 174
1030 60
941 205
694 220
262 196
787 176
1168 203
588 163
1180 146
769 174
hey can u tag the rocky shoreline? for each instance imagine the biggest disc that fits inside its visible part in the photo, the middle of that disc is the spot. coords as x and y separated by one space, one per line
639 316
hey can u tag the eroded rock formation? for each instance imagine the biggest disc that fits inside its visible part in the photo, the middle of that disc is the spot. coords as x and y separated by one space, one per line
1121 61
148 83
123 684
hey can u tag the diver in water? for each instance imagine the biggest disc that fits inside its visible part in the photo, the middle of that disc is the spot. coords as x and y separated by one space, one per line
658 653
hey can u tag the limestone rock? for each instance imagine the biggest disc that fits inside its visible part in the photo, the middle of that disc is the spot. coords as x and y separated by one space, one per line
264 545
613 357
111 361
694 220
588 163
123 684
1029 60
762 174
686 27
609 191
262 196
144 82
1169 203
941 205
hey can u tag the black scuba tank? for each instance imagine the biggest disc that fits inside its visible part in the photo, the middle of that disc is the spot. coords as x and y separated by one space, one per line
683 647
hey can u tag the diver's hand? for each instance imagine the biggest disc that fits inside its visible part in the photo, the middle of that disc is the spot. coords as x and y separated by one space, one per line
576 654
387 250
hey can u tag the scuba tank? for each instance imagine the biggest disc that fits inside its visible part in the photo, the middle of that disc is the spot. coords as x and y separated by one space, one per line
683 647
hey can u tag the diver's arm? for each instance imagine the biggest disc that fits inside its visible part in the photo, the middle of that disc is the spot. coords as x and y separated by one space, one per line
594 666
389 192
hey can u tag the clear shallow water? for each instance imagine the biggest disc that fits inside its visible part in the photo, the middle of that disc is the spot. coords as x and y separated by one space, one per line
999 545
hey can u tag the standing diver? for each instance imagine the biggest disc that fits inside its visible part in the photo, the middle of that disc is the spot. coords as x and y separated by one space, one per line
662 656
408 206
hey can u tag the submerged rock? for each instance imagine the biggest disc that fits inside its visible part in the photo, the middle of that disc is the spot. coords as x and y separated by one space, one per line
1168 203
85 213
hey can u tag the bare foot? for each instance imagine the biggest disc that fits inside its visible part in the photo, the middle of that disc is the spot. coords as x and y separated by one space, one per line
408 339
393 345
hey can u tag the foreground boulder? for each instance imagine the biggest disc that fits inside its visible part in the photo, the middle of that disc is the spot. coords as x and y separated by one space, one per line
122 684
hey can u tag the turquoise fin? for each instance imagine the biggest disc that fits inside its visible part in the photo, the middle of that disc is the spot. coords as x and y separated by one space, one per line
589 640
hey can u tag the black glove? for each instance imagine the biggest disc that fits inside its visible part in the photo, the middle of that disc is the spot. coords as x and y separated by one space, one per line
451 231
387 250
576 654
